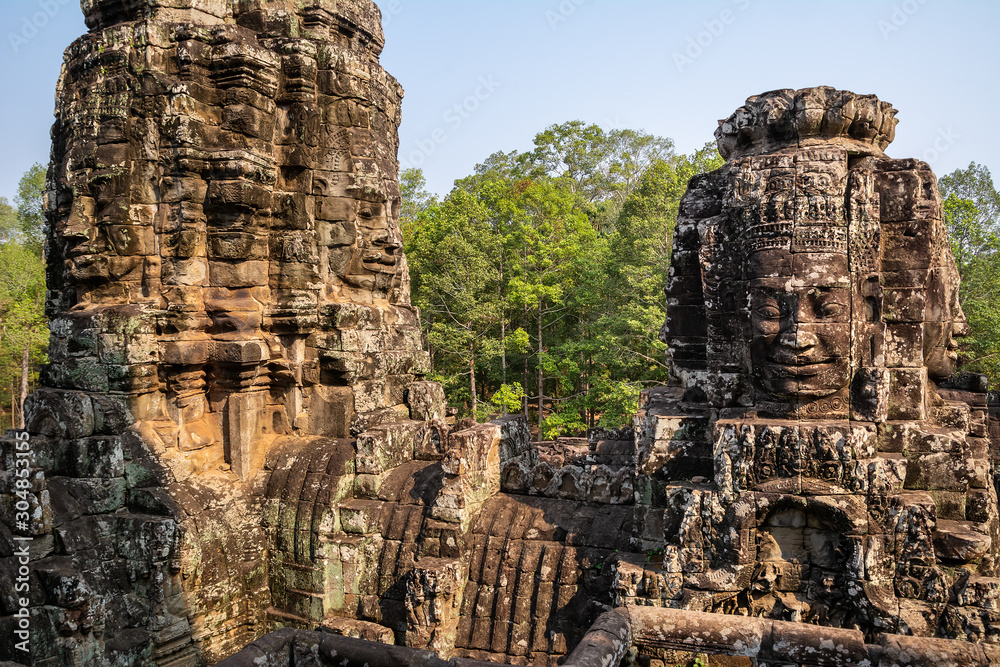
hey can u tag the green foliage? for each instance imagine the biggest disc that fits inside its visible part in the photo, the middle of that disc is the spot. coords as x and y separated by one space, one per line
509 398
617 402
602 168
972 214
23 326
549 267
456 283
562 422
415 197
25 225
9 223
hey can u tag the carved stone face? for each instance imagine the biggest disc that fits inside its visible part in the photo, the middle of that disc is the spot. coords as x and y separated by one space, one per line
800 323
941 338
945 324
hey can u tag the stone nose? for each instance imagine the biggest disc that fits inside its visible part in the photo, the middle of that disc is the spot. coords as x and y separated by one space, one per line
389 242
798 339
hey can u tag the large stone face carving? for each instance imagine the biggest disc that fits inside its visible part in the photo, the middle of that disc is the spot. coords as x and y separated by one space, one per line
800 328
825 262
813 309
237 182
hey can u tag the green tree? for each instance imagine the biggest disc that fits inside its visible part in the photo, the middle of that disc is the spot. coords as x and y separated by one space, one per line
620 329
550 265
10 225
23 326
415 197
601 167
29 202
555 249
509 398
452 253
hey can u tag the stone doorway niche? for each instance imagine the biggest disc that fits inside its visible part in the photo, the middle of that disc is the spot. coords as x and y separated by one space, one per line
802 572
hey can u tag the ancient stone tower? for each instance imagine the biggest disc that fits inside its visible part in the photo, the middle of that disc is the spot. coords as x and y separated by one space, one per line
816 487
228 298
813 314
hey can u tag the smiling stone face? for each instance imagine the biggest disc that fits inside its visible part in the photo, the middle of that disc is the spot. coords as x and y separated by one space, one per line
789 219
226 279
944 322
800 324
812 276
813 311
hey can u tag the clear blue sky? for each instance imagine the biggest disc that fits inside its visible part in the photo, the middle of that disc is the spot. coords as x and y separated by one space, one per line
619 63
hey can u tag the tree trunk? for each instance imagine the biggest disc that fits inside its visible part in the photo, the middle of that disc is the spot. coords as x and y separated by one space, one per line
503 347
541 376
526 383
503 336
24 384
472 380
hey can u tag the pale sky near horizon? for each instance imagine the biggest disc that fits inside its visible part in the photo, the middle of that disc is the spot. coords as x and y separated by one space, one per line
487 75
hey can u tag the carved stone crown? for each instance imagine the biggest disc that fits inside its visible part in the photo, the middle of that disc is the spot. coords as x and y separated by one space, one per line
351 17
862 124
828 238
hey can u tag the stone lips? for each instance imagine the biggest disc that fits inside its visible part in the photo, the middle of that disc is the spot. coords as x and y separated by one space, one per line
787 118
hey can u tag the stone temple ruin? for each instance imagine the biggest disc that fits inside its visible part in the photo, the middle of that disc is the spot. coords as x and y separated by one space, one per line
235 459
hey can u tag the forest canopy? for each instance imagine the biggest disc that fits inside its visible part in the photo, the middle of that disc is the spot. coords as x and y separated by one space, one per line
24 332
540 276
